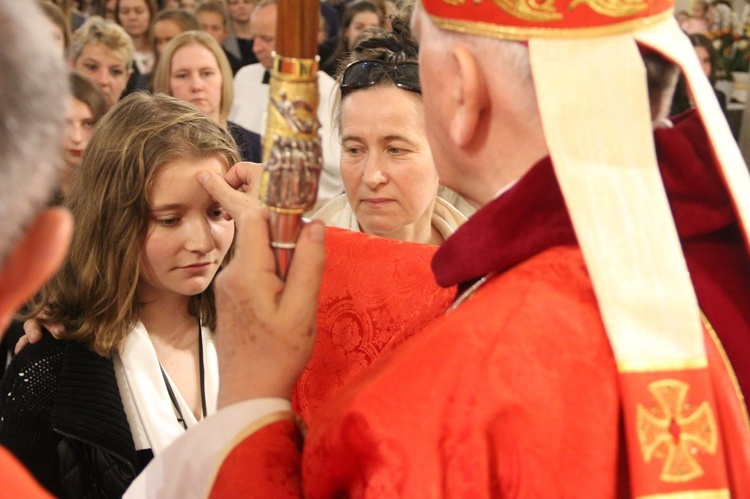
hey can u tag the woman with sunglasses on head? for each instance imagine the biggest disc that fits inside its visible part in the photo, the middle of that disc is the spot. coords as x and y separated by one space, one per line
389 176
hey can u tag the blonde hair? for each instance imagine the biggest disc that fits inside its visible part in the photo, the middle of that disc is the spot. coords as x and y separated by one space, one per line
111 35
94 294
164 68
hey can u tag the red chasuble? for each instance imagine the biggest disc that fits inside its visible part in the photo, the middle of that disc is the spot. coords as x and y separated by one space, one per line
376 293
515 393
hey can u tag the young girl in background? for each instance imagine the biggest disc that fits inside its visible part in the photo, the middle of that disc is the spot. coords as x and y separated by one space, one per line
137 365
86 108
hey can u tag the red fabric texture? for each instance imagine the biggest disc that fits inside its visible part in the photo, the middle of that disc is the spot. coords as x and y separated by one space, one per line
267 464
732 421
376 293
531 218
516 392
16 481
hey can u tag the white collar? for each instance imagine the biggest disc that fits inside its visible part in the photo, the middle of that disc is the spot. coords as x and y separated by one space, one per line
149 409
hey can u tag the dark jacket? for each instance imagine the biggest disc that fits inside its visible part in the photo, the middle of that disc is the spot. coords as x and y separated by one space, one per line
248 143
61 414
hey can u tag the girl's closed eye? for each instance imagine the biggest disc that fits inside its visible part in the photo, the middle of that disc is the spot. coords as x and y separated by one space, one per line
168 221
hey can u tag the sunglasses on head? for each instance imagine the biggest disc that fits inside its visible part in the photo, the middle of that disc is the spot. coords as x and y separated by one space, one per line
362 74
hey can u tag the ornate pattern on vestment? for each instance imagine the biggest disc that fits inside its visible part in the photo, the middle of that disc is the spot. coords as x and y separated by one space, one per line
676 431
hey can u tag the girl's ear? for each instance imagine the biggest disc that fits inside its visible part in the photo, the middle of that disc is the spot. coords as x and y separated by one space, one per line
34 260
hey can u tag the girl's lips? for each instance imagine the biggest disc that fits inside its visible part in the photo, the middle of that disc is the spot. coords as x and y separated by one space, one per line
197 265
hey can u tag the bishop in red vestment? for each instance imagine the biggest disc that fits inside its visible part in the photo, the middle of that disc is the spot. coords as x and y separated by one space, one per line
515 394
551 375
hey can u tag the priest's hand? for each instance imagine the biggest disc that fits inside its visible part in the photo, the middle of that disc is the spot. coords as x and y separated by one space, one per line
238 189
266 327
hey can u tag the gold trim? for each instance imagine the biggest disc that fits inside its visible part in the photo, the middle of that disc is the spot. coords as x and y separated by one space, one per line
293 211
732 376
692 494
652 366
524 33
286 67
249 430
695 430
469 292
611 8
530 10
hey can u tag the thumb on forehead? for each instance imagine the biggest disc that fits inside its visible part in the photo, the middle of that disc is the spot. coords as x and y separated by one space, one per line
231 200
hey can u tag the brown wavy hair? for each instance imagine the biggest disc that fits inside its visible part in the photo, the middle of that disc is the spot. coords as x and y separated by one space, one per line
94 295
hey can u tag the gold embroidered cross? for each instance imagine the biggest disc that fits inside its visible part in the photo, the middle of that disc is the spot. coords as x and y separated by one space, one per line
671 431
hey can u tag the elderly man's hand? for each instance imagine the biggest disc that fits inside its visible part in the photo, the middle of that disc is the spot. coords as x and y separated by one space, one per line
265 327
237 190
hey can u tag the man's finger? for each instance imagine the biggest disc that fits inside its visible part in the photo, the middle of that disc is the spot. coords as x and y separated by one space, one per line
252 260
231 200
252 243
244 174
300 298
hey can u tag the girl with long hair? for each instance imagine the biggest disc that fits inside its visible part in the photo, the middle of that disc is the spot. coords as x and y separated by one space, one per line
136 366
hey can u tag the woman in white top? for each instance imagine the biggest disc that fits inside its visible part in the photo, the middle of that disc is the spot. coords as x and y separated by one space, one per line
389 175
136 16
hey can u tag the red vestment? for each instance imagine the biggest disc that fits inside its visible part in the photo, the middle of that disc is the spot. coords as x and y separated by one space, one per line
516 392
16 481
376 293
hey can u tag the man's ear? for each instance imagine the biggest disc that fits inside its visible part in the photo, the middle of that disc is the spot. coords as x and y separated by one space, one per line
470 96
35 259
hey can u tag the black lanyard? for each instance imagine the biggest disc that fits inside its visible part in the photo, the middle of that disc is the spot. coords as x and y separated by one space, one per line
175 404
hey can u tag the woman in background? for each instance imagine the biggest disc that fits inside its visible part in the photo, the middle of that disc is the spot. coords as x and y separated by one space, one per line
390 180
358 16
86 108
168 23
58 23
103 51
136 16
194 68
707 56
